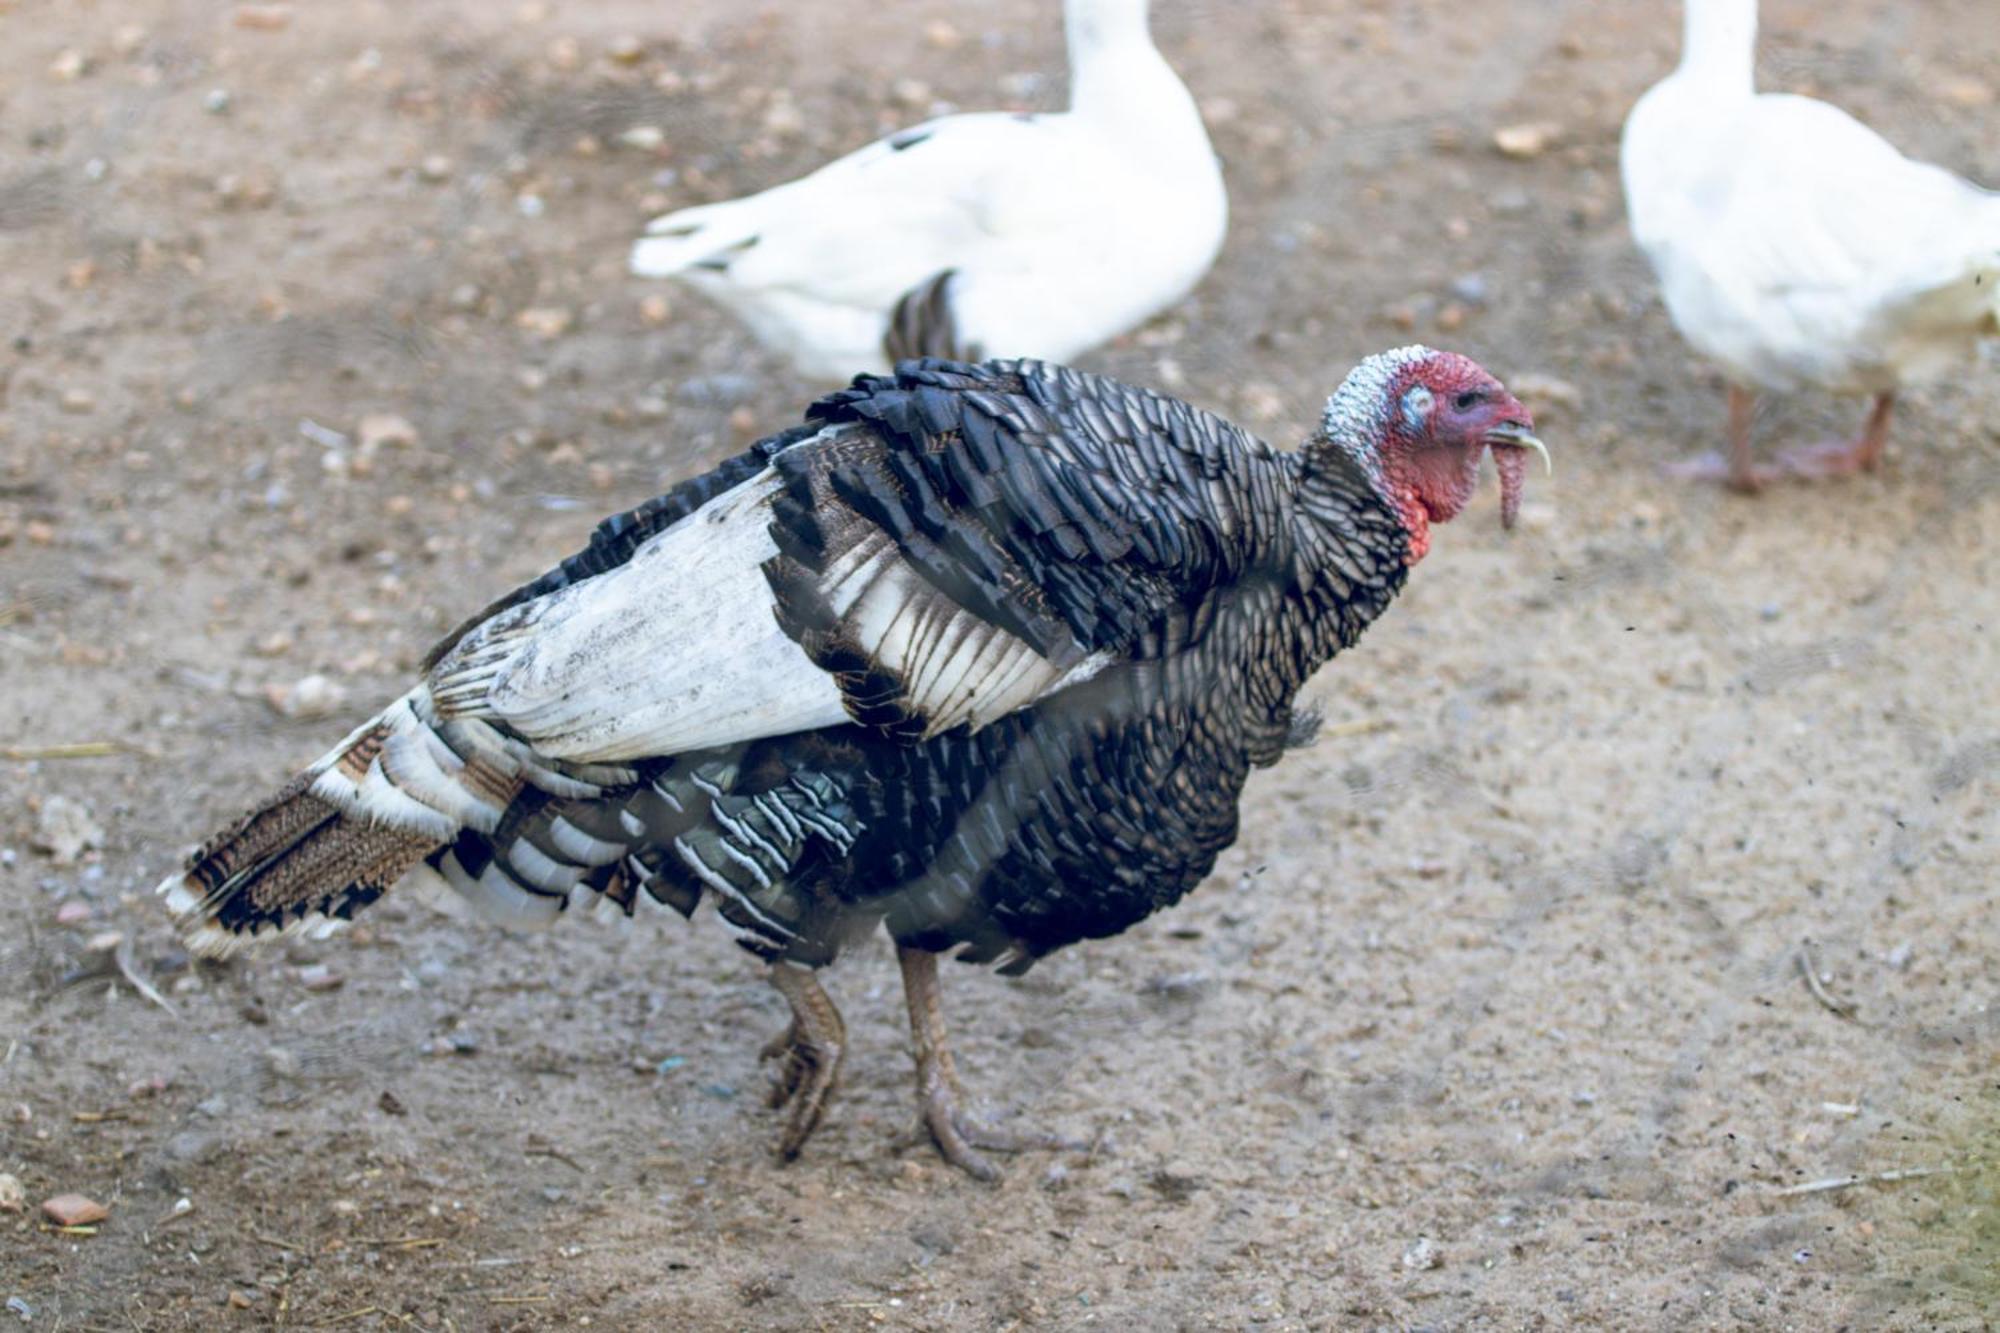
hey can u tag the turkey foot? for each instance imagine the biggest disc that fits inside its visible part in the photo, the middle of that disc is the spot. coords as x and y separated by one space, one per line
958 1136
1737 471
811 1051
1843 458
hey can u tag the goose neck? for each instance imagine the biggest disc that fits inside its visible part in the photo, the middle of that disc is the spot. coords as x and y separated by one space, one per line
1719 44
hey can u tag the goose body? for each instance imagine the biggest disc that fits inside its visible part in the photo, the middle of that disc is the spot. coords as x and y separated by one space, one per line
980 234
1794 246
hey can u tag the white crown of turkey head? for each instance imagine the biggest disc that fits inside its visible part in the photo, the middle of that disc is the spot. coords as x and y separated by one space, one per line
980 654
989 234
1419 421
1796 248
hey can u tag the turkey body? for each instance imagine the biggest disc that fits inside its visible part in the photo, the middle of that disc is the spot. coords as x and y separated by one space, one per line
980 653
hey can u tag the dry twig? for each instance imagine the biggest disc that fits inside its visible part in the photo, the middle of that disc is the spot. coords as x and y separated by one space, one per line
1841 1008
1866 1178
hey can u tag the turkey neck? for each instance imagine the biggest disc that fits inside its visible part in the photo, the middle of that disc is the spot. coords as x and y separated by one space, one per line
1345 545
1719 46
1119 79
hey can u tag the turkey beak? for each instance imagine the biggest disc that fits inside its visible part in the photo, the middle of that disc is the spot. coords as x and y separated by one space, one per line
1510 442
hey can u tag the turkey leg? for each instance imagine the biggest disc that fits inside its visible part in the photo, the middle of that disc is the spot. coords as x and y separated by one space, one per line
811 1050
939 1093
1842 458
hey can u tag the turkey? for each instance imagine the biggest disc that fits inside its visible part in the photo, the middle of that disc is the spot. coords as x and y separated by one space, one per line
975 235
1796 248
981 654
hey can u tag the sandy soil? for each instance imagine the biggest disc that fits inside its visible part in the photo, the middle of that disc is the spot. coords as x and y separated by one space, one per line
1495 1017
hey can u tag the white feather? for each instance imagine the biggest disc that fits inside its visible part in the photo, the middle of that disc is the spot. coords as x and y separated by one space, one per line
1793 245
676 650
1064 230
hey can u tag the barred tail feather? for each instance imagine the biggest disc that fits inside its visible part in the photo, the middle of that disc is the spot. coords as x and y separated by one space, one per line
337 837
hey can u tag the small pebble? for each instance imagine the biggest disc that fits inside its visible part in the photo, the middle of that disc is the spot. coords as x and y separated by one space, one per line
1422 1255
320 977
313 696
13 1196
74 1210
217 102
263 18
545 321
435 168
384 428
1527 140
65 830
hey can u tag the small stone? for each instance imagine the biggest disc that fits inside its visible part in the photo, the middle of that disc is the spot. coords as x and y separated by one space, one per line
391 1104
104 941
1261 401
545 321
74 1210
1526 140
655 310
1469 288
911 92
68 66
65 830
942 35
274 645
216 103
73 913
77 402
625 49
743 421
1965 91
320 977
565 54
645 138
529 205
239 1300
127 40
1451 318
313 696
1543 392
1422 1255
384 428
724 389
13 1196
344 1208
263 18
435 168
783 117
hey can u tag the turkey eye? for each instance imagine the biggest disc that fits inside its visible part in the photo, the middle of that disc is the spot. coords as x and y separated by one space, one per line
1468 400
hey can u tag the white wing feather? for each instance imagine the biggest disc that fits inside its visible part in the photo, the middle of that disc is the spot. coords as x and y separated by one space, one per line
680 648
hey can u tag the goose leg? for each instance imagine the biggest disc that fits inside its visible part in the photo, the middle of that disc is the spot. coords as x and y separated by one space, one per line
810 1050
1844 458
957 1135
1737 471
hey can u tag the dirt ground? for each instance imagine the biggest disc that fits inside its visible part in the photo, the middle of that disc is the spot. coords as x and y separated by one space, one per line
1495 1017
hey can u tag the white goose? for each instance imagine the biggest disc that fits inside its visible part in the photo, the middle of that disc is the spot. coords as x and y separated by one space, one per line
1798 249
976 235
